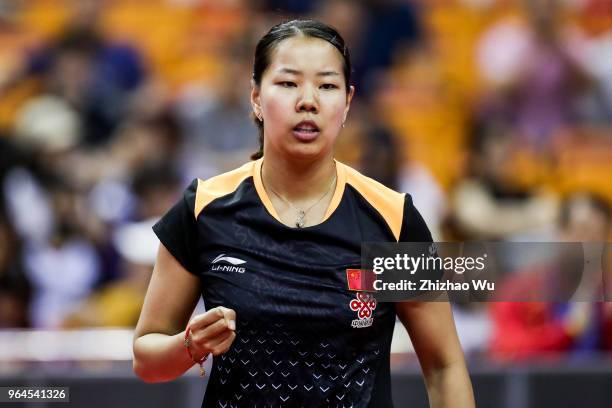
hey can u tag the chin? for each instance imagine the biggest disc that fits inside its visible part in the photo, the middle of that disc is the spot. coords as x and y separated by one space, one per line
305 151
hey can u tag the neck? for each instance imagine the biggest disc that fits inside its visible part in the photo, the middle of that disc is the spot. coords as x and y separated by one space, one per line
298 182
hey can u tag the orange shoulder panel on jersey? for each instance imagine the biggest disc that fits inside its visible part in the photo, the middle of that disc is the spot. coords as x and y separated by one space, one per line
221 185
389 203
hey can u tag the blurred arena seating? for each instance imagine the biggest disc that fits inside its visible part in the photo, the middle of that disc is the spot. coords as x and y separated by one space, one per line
444 95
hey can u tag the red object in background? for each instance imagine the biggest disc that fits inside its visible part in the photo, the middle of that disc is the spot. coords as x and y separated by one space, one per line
526 329
522 330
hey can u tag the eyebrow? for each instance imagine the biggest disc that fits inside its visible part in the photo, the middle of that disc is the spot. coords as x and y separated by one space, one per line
296 72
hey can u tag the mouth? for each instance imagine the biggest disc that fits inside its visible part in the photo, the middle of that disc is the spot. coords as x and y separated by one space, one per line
306 130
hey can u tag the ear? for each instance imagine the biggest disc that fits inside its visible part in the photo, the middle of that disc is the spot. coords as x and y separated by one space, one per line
349 98
256 99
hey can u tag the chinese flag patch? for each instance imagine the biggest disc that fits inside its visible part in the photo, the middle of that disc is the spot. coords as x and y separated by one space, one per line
353 277
360 280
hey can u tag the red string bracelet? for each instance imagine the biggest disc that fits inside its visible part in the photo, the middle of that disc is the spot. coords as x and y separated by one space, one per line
201 361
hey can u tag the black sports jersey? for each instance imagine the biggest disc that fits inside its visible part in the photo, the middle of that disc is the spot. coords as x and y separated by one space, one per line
303 338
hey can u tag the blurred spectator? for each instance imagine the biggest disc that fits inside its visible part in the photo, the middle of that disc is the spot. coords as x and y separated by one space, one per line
591 43
487 204
390 24
380 29
60 236
538 79
145 192
118 304
220 133
141 138
585 218
64 267
156 186
348 17
146 139
526 329
108 172
382 158
47 131
92 74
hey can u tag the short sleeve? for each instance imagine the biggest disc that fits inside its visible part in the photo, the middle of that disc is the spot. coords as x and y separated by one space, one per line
177 229
414 228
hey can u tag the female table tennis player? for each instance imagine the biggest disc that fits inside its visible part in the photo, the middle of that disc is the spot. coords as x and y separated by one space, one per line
268 245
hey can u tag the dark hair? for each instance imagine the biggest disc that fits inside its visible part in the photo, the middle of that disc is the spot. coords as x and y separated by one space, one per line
85 41
155 175
294 28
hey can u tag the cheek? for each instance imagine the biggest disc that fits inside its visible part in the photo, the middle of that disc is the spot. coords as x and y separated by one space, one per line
276 110
276 106
277 114
335 110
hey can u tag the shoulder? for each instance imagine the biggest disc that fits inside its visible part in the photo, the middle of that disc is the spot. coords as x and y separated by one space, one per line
369 186
387 202
206 191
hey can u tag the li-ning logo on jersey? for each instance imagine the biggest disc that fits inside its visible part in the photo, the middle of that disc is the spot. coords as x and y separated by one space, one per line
364 304
218 264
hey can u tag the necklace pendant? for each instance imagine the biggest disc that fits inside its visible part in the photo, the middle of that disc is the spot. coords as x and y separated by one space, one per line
300 219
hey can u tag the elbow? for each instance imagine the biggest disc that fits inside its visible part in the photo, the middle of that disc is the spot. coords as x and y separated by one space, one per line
144 374
139 367
147 366
140 371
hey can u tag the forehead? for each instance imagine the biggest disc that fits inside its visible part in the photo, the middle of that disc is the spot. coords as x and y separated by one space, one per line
306 54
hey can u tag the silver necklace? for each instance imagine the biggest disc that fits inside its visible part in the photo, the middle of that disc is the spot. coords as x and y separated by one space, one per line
300 221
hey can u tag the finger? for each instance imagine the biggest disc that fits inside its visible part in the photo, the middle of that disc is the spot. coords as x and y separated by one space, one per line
230 316
210 344
210 331
224 345
206 319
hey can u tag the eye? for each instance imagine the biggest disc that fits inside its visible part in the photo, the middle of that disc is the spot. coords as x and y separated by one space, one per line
287 84
329 86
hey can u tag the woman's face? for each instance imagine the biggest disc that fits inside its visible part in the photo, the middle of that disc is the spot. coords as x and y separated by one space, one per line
302 98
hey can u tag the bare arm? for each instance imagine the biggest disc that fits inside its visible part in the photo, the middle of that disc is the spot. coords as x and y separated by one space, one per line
432 330
159 352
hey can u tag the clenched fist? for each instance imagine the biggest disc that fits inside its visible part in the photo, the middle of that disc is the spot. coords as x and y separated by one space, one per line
212 332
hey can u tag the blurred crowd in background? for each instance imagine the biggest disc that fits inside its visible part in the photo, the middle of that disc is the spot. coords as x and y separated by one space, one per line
496 115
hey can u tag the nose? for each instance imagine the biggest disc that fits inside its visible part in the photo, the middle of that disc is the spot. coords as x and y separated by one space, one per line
308 101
